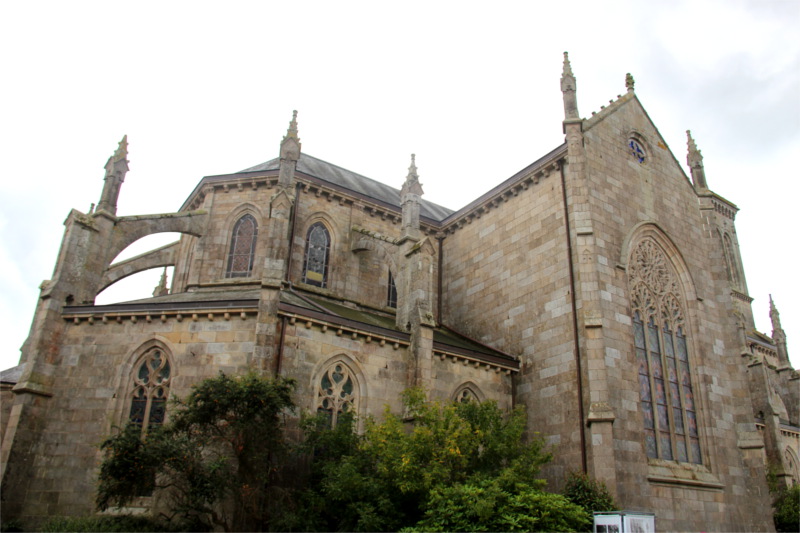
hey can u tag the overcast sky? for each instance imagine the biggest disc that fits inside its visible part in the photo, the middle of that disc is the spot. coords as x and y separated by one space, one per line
204 88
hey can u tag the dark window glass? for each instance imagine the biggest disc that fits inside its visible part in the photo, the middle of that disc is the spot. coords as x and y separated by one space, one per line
243 248
150 390
661 349
337 394
315 266
391 299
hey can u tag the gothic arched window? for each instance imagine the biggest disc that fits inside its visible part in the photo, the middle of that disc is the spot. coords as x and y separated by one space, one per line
467 392
151 380
337 392
391 296
467 395
243 248
730 261
318 245
662 354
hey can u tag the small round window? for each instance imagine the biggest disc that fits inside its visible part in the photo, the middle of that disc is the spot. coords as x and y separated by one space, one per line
636 150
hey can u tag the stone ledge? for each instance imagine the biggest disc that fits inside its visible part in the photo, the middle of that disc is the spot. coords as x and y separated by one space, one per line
683 474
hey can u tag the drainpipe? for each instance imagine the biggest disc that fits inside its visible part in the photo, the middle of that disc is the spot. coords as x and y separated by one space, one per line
575 340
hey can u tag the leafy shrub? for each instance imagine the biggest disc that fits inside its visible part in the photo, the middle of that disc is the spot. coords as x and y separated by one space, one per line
402 469
10 526
132 523
217 459
589 493
487 507
787 509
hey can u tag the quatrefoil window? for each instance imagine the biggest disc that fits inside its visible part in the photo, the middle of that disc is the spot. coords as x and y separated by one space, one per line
636 150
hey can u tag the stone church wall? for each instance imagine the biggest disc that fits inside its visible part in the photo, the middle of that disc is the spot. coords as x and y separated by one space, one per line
381 370
507 285
625 193
96 362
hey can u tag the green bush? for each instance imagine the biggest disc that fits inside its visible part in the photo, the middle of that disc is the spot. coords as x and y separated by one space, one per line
10 526
403 470
589 493
105 523
488 507
787 509
216 461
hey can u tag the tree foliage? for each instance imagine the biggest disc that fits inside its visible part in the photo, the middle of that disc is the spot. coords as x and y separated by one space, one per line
222 461
589 493
217 459
787 509
444 466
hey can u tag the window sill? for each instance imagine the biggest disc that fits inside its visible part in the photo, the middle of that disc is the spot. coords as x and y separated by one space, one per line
683 474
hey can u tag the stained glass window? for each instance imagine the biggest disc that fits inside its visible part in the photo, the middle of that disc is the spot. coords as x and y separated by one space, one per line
151 382
243 248
666 396
636 150
337 392
315 266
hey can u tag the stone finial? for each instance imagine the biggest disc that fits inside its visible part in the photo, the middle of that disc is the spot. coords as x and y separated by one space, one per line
567 71
412 169
410 202
290 153
778 335
161 289
774 315
568 89
412 184
695 161
292 131
116 168
122 150
629 82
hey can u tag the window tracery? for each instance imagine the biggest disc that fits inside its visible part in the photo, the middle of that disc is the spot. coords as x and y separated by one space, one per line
665 381
467 395
151 382
337 392
315 266
243 248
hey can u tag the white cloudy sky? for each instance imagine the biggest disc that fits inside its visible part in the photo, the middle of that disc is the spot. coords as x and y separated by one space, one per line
472 88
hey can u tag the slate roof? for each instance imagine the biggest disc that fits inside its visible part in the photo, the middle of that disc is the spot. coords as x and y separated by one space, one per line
11 375
355 182
444 338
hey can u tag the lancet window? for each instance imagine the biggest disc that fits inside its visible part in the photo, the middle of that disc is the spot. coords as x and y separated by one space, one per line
660 330
337 392
391 297
243 248
315 266
151 381
730 261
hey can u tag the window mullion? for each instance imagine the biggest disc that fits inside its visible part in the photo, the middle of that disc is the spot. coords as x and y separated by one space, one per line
653 393
668 393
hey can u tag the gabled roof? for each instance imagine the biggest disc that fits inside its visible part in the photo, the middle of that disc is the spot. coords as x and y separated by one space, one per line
446 342
355 182
11 375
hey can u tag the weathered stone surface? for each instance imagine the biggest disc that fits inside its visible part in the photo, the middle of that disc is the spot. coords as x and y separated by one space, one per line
535 277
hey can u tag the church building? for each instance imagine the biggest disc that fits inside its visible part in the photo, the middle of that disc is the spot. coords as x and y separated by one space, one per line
601 287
